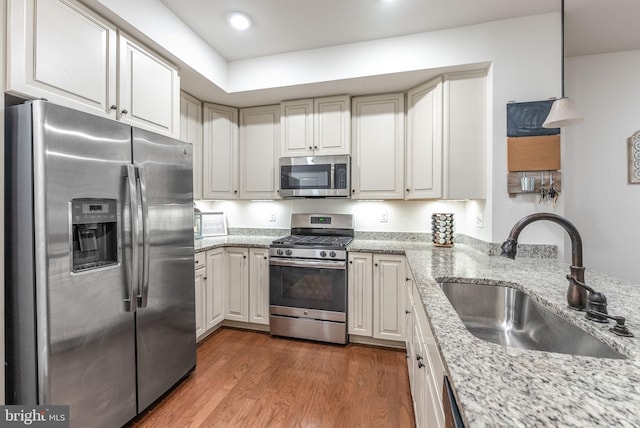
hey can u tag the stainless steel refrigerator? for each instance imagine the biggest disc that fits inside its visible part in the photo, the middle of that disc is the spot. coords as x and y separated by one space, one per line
100 309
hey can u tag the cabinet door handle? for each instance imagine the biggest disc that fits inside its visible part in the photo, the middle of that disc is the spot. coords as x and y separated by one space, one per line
124 111
113 107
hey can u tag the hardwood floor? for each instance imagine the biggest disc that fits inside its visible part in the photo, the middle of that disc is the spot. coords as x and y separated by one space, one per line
250 379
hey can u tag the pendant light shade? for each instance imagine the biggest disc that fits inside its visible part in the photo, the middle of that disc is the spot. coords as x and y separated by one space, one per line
563 113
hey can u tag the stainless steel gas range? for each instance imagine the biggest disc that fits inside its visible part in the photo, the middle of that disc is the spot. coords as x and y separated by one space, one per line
308 278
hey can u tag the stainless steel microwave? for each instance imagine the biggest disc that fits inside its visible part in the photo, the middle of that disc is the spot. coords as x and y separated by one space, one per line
315 177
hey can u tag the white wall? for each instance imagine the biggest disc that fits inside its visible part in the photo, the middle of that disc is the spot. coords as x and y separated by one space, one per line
402 216
599 200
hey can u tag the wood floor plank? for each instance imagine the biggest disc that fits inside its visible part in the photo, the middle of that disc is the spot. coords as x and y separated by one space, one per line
250 379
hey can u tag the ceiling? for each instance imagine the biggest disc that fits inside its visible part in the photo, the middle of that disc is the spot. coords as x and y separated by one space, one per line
592 26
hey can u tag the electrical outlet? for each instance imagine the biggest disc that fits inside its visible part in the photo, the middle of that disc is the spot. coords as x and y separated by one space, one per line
480 221
272 217
384 217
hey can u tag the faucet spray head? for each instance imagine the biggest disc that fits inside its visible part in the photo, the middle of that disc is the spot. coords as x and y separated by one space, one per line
509 248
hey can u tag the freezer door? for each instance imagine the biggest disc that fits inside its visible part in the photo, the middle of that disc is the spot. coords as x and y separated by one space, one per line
84 333
166 296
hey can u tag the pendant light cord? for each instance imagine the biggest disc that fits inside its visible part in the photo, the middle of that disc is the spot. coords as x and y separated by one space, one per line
562 47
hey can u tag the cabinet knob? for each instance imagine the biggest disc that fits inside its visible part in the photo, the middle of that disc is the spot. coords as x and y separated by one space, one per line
376 264
235 192
350 262
407 311
197 261
113 107
353 190
265 257
124 111
315 147
407 279
204 277
310 148
407 190
244 257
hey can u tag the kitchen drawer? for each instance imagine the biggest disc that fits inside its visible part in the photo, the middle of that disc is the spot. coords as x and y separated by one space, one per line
200 260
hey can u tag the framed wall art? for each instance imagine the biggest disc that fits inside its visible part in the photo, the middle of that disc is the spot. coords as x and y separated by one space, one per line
634 158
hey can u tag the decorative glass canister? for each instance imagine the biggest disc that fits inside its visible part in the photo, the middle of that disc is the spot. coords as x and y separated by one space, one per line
442 229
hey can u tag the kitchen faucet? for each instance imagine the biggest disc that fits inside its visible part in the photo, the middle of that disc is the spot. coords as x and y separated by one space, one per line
577 292
596 303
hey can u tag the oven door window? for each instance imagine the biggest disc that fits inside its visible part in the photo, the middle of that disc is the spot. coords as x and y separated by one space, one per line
308 288
305 177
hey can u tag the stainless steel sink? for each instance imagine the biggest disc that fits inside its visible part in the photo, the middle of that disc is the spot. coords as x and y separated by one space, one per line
509 317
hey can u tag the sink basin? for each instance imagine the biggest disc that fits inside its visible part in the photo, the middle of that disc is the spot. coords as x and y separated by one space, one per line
509 317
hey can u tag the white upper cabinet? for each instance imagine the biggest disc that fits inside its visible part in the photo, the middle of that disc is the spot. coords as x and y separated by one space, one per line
191 132
259 152
148 89
464 156
61 51
297 127
320 126
377 147
220 152
423 173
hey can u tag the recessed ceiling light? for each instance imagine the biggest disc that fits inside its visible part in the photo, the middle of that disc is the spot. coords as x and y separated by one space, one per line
239 21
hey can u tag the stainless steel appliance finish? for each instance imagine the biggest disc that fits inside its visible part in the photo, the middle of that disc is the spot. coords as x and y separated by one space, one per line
100 288
308 278
315 177
509 317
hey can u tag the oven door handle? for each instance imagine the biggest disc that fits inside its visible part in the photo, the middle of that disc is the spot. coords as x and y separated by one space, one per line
322 264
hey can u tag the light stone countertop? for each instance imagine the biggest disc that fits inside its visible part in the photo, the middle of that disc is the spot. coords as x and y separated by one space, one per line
496 386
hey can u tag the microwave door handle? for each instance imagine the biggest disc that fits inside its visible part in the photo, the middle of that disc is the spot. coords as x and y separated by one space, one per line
133 214
144 293
333 176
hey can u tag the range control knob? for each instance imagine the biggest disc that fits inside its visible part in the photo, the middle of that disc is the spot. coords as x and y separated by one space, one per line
332 254
288 252
279 252
323 253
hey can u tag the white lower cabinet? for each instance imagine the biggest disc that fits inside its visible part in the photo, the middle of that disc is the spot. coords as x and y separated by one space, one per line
376 296
389 276
259 285
209 283
426 371
232 284
216 278
236 296
201 285
360 294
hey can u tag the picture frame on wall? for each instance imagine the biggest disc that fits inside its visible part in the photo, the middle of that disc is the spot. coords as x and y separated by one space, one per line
634 158
213 224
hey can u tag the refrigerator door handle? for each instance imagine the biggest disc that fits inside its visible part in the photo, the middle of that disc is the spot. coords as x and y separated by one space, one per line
135 238
144 293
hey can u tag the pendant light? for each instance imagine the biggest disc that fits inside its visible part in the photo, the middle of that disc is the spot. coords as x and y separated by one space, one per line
563 111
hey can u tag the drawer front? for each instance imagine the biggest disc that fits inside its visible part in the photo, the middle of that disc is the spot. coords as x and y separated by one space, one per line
200 260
